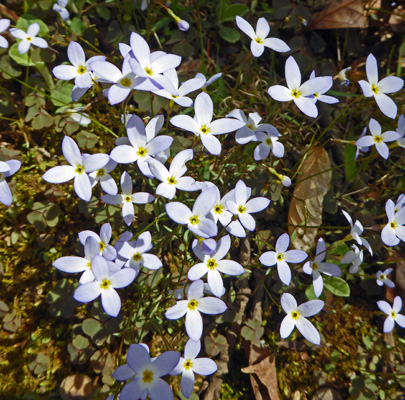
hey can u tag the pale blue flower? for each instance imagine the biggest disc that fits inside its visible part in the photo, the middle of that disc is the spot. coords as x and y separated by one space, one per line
28 38
296 317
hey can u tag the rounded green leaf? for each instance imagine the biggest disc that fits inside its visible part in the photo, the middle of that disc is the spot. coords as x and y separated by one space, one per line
22 59
337 286
229 34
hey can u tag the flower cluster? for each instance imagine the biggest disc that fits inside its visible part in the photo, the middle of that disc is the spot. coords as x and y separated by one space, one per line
152 167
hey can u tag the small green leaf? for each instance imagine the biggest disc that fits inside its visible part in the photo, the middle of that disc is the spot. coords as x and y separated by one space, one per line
230 13
86 139
39 363
252 331
9 71
62 94
76 26
80 342
28 19
22 59
350 162
42 120
103 12
229 34
337 286
37 219
183 49
214 344
91 327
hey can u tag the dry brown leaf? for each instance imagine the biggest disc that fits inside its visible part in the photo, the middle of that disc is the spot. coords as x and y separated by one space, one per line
340 14
263 374
397 20
306 205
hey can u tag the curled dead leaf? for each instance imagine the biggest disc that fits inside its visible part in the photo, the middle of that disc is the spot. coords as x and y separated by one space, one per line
305 212
263 374
341 14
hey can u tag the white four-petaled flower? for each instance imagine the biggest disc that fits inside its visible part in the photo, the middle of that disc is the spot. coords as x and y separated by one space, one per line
394 231
4 24
393 314
7 168
136 253
296 317
213 264
259 38
378 89
282 257
378 139
356 231
382 278
106 250
198 220
193 306
105 283
147 374
318 266
140 148
28 38
298 92
190 364
203 126
78 169
80 69
127 198
242 207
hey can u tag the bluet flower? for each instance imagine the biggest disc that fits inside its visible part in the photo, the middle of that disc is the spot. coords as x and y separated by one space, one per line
378 89
296 317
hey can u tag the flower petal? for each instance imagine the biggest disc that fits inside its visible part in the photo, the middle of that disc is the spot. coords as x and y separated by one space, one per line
308 330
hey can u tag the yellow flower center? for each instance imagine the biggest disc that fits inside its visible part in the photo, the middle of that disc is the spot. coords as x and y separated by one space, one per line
79 169
393 314
316 95
141 152
218 209
212 264
88 265
258 40
241 209
268 142
378 139
173 96
280 257
314 266
295 93
147 376
250 126
28 39
102 246
192 305
128 198
137 257
149 71
188 364
393 225
105 284
374 89
100 172
295 315
126 82
194 220
81 70
204 129
171 180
